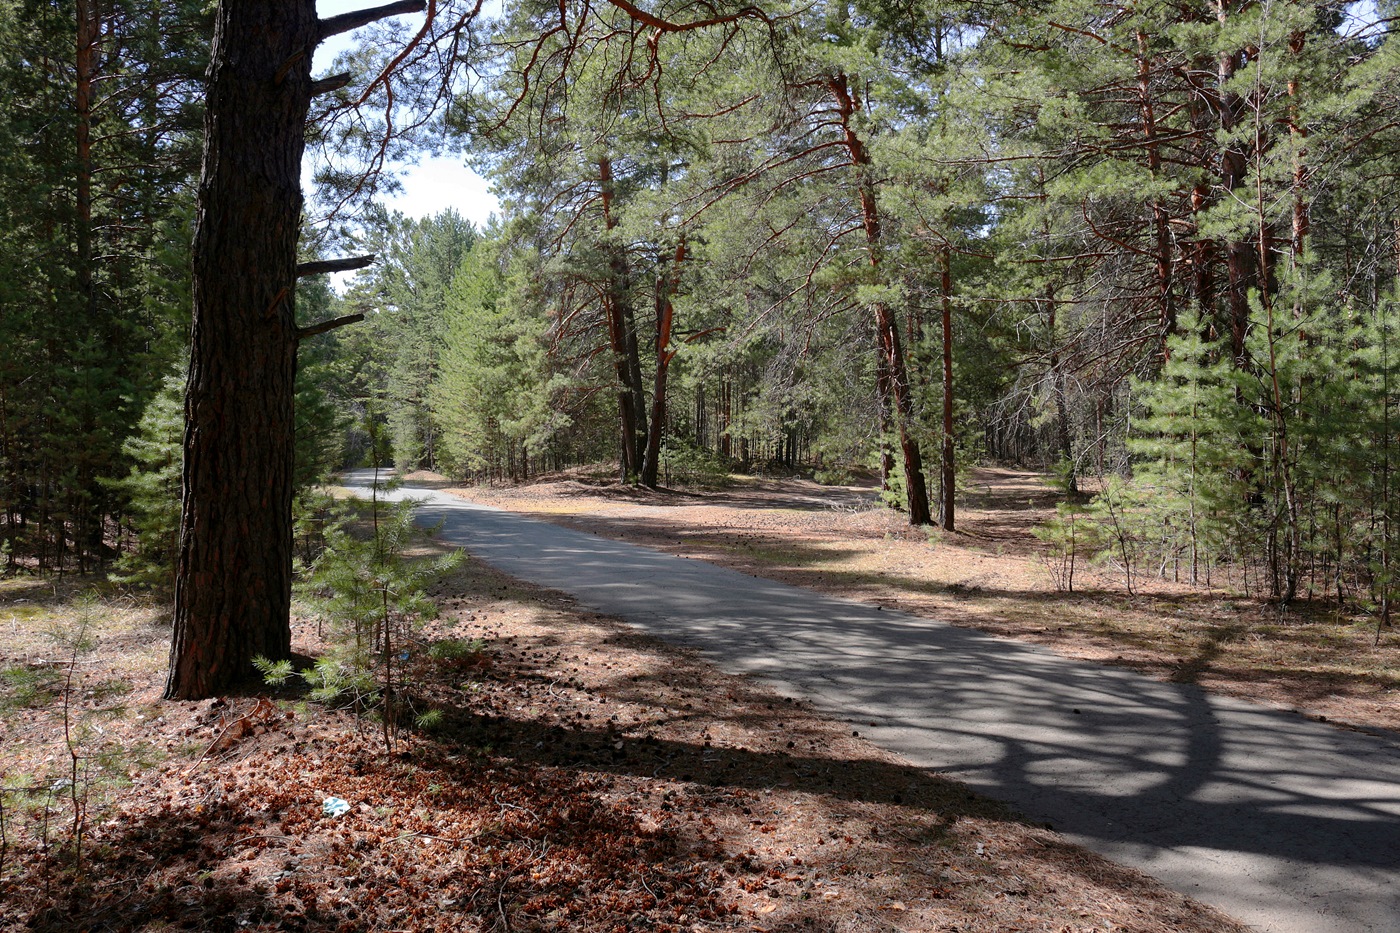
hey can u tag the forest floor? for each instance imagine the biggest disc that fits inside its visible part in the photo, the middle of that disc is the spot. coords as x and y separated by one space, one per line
581 776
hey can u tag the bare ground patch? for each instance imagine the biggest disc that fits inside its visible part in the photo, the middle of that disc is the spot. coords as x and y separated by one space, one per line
582 777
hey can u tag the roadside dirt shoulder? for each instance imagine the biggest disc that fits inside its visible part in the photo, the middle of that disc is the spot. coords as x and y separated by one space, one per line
578 777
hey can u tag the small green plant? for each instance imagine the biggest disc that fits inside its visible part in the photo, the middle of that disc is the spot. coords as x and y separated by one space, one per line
1069 536
428 720
1064 476
837 475
61 800
1123 526
152 489
77 641
29 687
685 464
6 807
457 649
372 598
314 513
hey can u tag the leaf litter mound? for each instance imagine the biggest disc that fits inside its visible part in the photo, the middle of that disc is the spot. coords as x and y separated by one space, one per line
580 777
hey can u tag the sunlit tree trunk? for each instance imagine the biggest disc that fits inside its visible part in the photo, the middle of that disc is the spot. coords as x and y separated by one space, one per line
886 326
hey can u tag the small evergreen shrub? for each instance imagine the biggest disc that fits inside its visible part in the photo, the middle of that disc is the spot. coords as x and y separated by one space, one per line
685 464
152 489
1071 537
56 804
372 597
457 649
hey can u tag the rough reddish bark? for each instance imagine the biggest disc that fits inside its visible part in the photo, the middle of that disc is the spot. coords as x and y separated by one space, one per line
886 327
234 570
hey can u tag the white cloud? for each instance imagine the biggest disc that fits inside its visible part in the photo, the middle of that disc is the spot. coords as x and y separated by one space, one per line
440 182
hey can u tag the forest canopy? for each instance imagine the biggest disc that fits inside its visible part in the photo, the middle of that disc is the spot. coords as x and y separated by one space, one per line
1154 247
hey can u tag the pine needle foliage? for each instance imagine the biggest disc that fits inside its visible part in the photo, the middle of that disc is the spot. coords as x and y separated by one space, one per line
373 598
152 489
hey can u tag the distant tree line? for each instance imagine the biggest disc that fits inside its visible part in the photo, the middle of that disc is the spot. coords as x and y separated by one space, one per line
1157 241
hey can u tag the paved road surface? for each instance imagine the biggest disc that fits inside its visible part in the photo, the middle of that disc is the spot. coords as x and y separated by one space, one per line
1289 825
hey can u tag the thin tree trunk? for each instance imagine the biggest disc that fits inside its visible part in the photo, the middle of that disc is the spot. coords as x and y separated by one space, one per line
85 60
883 423
1162 260
725 412
1202 258
947 476
1387 585
622 332
1240 259
886 327
666 286
1064 436
1288 563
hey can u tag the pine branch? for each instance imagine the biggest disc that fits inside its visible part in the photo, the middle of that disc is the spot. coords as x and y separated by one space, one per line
330 83
324 266
664 25
345 22
321 328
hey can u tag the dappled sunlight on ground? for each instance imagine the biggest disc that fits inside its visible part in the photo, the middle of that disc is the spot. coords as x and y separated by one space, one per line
992 573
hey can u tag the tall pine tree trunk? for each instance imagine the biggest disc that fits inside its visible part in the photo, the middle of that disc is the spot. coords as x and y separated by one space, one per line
884 424
1241 266
622 334
85 73
666 285
886 327
1162 258
1064 435
234 570
947 476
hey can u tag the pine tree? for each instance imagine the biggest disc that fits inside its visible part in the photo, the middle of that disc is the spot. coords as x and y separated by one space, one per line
1193 459
152 489
416 277
490 399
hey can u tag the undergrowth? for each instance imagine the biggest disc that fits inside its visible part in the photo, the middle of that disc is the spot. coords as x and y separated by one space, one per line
372 599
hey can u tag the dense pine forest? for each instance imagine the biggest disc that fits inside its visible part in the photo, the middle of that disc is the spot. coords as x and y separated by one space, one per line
1152 247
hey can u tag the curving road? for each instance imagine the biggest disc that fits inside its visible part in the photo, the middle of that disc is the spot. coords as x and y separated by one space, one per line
1289 825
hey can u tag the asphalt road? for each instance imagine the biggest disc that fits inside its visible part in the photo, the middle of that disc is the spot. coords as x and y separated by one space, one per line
1289 825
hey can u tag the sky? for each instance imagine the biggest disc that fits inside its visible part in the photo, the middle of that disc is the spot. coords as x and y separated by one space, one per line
1360 15
435 183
